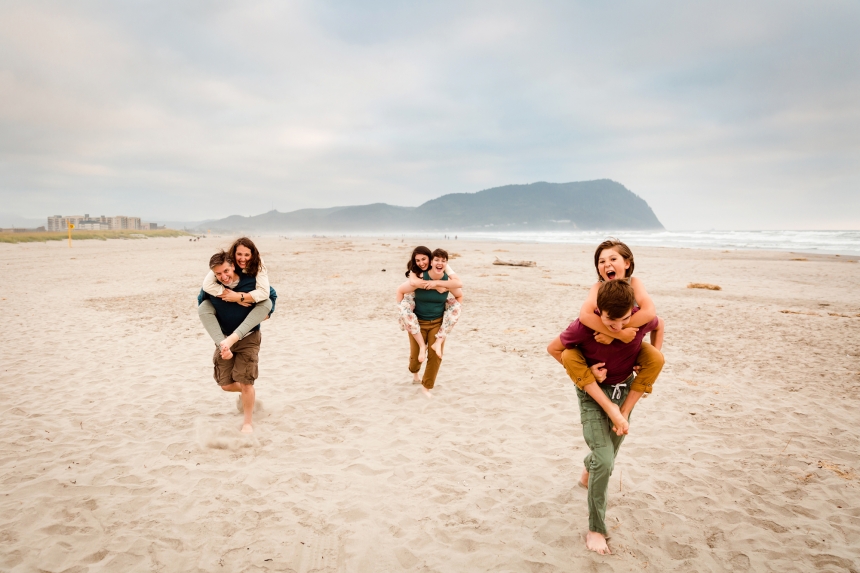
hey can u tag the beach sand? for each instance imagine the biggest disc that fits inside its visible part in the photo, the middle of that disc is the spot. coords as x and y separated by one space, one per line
120 453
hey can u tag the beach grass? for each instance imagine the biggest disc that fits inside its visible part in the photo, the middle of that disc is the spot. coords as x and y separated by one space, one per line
41 237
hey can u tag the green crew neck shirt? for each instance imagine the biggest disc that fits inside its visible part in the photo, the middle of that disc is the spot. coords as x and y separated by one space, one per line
430 303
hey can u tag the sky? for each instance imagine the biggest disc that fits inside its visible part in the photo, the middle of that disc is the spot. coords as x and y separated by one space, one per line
721 115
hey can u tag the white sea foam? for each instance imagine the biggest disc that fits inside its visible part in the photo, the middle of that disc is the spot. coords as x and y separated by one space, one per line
829 242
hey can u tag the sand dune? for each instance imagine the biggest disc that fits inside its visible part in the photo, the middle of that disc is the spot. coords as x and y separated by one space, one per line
121 454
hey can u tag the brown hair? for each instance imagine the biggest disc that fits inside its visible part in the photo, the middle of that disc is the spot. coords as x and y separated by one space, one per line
619 248
219 258
411 267
439 253
615 298
254 263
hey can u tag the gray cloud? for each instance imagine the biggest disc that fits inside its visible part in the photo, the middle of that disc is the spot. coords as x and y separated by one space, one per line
726 115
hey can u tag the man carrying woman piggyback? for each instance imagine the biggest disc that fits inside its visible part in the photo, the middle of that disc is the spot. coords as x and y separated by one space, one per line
429 303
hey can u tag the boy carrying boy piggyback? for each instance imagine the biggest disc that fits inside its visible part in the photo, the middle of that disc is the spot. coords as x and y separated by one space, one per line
608 390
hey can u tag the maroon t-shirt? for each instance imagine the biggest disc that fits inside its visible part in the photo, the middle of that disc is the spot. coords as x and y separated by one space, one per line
619 358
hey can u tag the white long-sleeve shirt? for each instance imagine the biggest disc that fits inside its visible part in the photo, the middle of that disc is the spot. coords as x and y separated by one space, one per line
213 288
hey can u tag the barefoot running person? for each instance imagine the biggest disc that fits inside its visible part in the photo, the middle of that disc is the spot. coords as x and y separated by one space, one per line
236 368
418 263
245 256
606 401
429 311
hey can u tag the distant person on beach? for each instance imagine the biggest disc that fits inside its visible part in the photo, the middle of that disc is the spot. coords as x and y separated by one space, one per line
244 255
418 263
235 367
430 302
608 395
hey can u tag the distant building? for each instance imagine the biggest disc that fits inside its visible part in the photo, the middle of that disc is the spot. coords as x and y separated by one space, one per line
101 223
92 225
61 223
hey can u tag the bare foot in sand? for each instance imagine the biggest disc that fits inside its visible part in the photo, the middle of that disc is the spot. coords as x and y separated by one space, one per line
426 392
422 354
597 542
583 479
226 344
437 347
416 378
247 429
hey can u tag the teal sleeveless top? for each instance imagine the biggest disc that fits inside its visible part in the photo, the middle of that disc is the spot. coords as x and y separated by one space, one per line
430 304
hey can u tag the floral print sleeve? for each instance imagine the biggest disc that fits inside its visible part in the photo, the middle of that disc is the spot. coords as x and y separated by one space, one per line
406 317
450 317
409 322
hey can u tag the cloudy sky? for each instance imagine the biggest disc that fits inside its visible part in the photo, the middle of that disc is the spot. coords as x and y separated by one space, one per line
726 115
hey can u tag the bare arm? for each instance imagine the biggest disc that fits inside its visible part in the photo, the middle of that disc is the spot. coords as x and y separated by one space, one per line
657 335
627 407
647 311
592 321
634 395
403 289
441 286
417 281
450 284
555 349
453 281
619 422
444 286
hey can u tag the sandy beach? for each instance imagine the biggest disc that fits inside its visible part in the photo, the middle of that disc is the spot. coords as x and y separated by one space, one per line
120 453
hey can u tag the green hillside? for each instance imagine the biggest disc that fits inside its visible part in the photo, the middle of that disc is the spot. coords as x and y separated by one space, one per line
601 204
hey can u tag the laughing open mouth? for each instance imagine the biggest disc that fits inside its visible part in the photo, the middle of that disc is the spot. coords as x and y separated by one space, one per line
610 275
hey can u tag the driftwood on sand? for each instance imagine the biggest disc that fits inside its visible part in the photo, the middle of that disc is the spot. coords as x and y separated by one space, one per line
704 286
498 261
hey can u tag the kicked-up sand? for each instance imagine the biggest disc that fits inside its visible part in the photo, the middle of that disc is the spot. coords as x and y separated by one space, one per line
120 453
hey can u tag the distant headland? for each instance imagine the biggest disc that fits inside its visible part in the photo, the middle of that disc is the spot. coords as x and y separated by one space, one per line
584 205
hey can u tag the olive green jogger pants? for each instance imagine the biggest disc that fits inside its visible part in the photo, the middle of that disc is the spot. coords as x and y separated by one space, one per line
604 445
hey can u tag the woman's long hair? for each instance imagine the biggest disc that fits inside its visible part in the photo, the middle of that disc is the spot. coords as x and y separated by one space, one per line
254 263
411 267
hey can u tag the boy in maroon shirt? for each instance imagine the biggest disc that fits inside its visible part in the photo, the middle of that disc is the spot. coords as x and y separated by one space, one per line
606 401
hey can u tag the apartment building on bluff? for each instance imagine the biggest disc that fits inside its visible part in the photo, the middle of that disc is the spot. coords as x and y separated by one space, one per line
100 223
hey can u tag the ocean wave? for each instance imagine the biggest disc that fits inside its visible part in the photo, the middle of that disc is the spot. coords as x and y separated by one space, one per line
826 242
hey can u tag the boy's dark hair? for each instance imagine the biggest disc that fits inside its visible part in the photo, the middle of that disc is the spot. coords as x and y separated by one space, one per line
253 266
619 248
615 298
439 253
219 258
411 267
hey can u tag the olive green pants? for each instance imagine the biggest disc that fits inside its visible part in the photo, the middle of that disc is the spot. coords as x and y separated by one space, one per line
604 445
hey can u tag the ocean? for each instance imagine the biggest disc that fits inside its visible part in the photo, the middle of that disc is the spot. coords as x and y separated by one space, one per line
824 242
